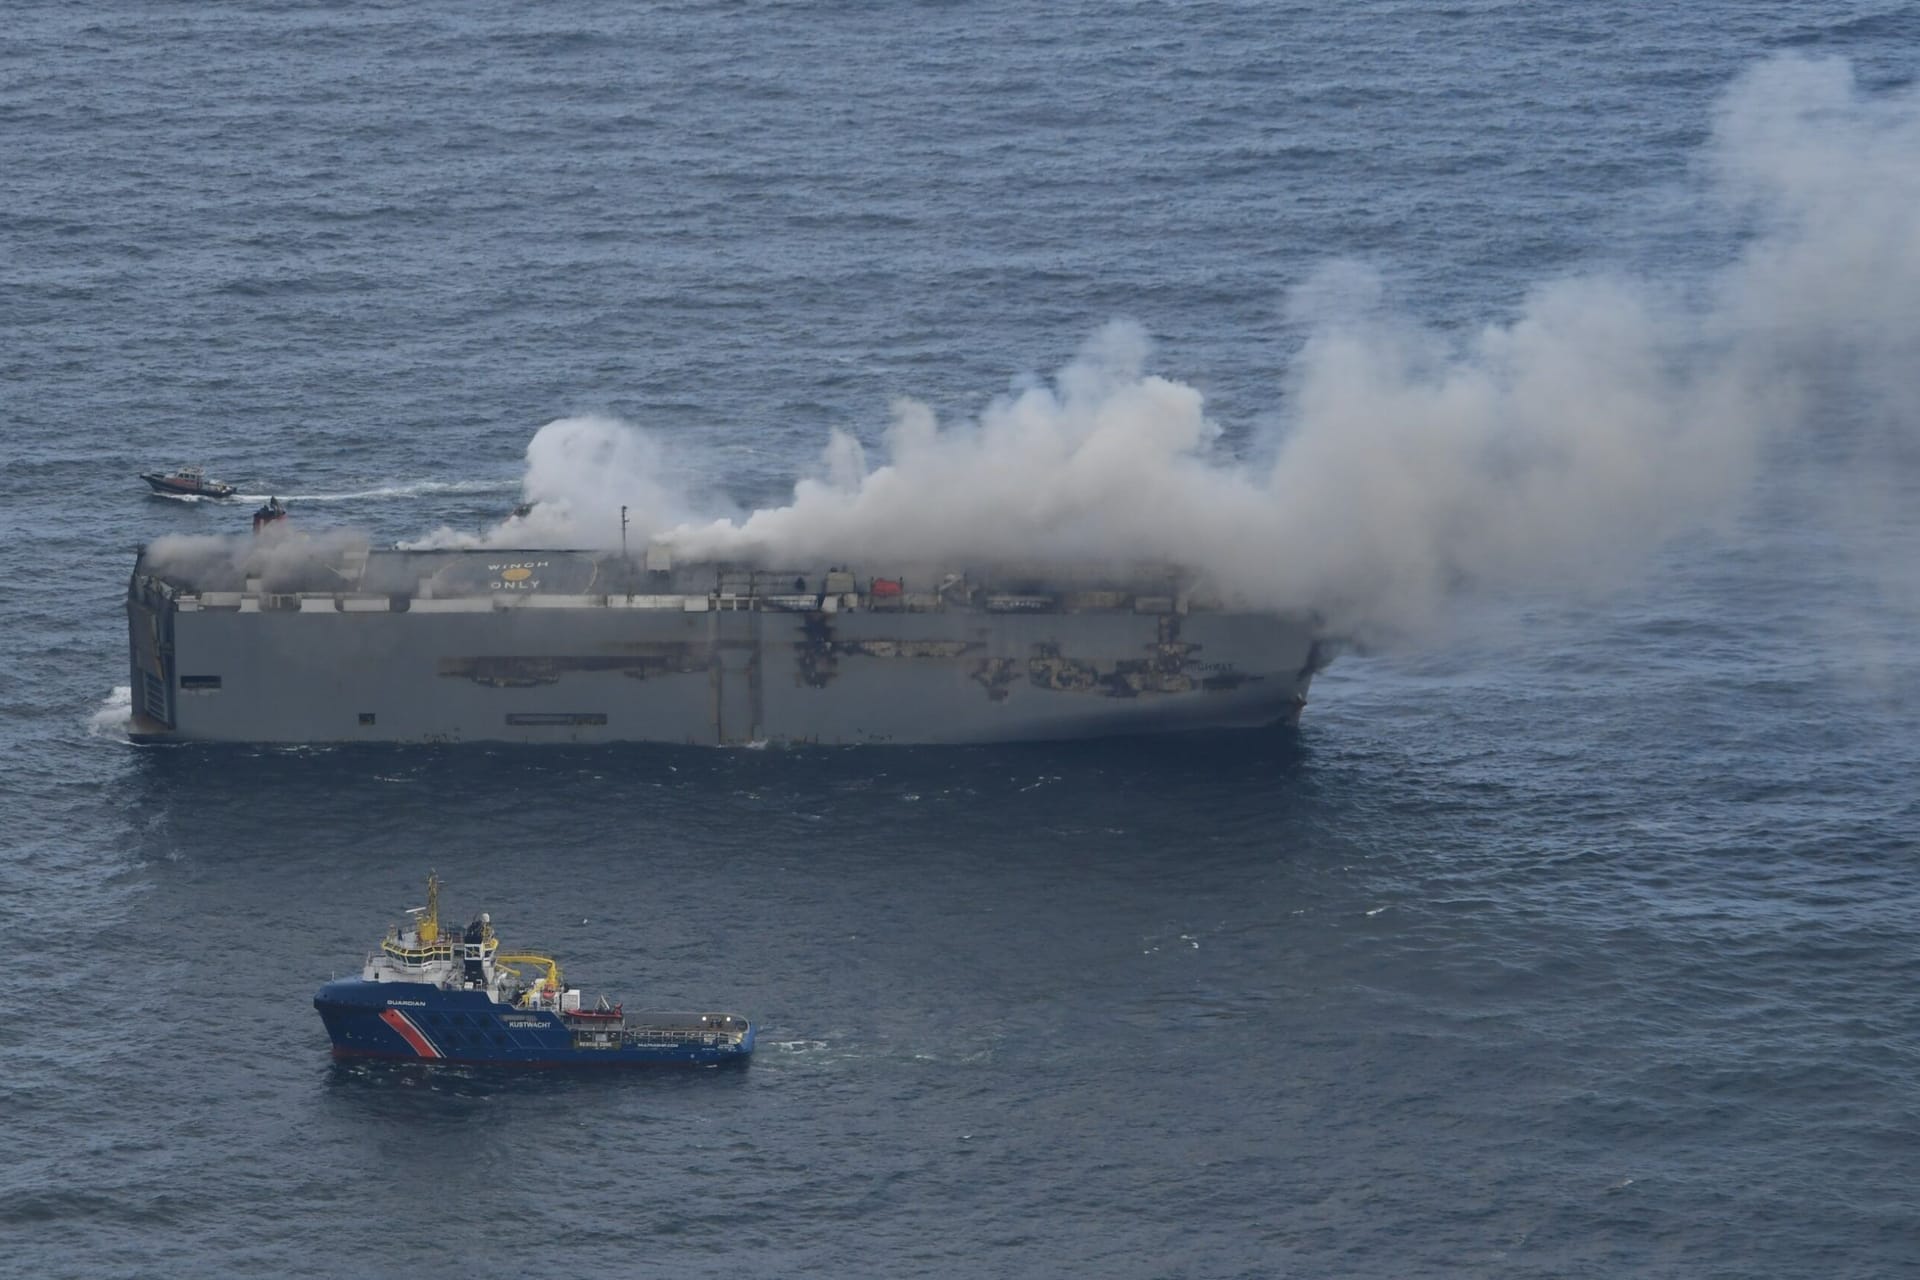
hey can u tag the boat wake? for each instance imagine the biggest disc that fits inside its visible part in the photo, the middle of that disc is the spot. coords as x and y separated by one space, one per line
415 489
800 1046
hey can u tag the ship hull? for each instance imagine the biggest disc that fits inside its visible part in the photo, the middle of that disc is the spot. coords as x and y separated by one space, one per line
420 1023
311 668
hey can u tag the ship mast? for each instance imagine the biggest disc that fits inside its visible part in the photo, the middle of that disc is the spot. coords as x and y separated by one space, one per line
430 917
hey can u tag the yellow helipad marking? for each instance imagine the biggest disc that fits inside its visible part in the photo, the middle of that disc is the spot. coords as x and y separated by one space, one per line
517 575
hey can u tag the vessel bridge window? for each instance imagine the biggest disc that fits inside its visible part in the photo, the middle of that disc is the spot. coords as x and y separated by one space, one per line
547 719
366 717
417 955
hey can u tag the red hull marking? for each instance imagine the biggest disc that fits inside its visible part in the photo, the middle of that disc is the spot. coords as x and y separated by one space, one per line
411 1034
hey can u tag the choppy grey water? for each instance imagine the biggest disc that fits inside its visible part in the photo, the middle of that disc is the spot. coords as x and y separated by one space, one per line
1577 941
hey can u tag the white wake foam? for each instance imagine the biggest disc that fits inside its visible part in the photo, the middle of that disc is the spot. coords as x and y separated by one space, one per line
110 718
412 489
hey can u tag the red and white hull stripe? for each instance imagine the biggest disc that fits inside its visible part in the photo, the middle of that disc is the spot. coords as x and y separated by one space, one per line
410 1032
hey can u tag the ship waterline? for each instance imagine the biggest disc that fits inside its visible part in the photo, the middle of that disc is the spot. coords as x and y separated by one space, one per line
583 647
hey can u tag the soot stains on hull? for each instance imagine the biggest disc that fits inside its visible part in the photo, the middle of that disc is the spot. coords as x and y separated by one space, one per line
530 672
325 652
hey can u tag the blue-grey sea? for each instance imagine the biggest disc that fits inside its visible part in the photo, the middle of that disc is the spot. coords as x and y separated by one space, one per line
1573 933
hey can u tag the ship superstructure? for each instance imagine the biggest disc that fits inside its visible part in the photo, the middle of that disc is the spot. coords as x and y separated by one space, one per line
286 641
433 995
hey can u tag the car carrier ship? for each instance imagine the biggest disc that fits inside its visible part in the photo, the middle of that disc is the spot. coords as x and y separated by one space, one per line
433 995
289 639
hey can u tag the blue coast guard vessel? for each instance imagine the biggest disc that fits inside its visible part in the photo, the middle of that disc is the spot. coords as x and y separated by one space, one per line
436 995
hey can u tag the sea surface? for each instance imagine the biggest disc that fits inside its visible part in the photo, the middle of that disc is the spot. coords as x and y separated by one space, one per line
1579 936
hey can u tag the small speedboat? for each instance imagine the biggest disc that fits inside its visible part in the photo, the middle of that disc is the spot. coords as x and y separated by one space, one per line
187 482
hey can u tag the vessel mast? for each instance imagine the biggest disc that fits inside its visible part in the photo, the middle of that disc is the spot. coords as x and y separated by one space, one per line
430 918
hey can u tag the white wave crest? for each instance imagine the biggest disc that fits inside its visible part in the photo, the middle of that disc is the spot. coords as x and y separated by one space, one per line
111 717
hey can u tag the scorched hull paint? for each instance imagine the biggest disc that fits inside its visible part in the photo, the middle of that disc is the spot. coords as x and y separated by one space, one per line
451 647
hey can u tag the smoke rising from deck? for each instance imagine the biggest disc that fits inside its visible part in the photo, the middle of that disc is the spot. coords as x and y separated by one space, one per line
283 559
1558 448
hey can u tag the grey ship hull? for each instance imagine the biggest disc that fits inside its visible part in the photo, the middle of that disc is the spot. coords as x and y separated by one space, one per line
412 647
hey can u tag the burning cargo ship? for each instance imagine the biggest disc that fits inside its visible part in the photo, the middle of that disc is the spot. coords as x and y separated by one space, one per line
300 641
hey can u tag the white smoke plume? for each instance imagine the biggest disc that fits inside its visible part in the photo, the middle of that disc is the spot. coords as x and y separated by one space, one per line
1557 448
282 559
580 473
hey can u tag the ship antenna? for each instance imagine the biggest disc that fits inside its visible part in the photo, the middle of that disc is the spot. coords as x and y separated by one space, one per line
430 918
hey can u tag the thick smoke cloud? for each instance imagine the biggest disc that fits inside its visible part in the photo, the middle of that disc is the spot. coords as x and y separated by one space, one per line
1558 448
